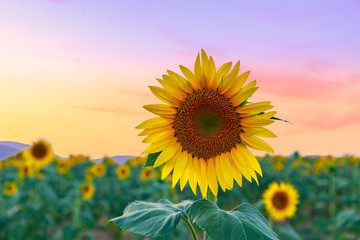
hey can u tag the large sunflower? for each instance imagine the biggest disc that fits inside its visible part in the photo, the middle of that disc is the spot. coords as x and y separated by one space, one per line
39 154
204 130
280 200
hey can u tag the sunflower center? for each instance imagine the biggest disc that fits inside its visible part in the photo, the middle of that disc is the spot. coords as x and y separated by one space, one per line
123 171
39 151
280 200
207 124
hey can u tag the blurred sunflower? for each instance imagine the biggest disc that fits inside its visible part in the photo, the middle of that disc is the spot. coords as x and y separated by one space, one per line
204 130
10 189
89 174
26 170
99 169
87 190
146 174
123 171
39 154
62 166
109 160
280 200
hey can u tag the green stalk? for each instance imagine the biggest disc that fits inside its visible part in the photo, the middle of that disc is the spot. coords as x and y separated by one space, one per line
190 227
211 197
76 214
332 192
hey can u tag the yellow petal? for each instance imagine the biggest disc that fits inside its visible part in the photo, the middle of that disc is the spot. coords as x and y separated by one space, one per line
240 163
236 174
159 146
219 174
156 130
194 82
255 142
203 177
228 80
226 169
267 115
194 174
159 136
250 158
252 109
253 121
181 82
154 123
179 167
240 98
161 109
211 176
261 132
222 72
171 87
211 75
169 165
168 153
185 177
237 83
164 96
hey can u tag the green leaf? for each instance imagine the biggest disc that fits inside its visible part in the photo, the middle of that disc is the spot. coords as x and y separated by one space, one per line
286 231
152 219
275 118
244 222
151 159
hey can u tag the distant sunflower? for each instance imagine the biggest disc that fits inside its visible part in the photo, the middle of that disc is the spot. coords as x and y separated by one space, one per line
10 189
39 154
87 190
146 174
62 166
26 170
123 171
280 200
206 126
99 169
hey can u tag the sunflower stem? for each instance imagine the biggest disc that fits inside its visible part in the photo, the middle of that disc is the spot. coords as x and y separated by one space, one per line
190 227
211 197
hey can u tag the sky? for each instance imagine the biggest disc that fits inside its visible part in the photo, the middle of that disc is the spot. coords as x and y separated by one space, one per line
77 72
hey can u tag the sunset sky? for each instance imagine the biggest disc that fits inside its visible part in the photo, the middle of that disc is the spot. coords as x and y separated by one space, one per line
77 72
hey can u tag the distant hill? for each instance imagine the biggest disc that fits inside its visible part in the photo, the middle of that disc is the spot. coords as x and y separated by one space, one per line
118 159
8 149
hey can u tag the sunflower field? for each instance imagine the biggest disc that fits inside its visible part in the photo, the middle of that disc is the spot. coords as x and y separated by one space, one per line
303 197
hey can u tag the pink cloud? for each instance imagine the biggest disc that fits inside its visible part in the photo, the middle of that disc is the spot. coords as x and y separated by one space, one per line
331 122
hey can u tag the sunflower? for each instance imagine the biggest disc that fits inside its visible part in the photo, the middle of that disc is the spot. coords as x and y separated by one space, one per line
87 190
26 170
39 154
99 169
10 189
62 166
123 171
280 200
204 129
109 160
146 174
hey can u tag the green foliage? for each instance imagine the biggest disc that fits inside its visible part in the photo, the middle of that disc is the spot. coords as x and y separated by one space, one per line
151 159
244 222
152 219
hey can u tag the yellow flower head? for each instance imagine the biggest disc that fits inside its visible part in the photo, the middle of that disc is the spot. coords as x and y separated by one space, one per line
10 189
109 160
90 174
26 170
204 129
136 161
62 166
39 154
123 171
99 169
146 173
280 200
87 190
